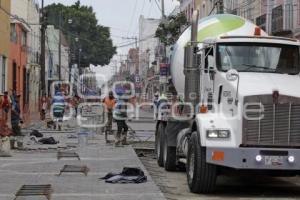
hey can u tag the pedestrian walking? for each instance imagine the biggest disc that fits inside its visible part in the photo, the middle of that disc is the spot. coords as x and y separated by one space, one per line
5 132
120 116
75 103
16 116
109 103
44 107
6 105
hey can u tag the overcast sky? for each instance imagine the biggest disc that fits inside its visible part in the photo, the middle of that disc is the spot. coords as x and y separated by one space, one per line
122 17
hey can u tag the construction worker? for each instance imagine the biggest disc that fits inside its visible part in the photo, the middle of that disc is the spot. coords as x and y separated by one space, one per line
155 104
162 105
58 103
109 103
156 99
120 116
16 116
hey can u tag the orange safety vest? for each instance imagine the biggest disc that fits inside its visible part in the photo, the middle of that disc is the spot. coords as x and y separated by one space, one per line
110 103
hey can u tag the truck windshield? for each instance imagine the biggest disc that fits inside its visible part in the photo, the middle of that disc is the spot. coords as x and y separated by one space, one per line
258 57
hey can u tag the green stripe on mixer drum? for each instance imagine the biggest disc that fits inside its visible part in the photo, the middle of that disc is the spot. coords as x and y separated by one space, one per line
224 24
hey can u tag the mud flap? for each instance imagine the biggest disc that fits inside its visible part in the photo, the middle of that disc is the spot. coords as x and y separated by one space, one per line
172 130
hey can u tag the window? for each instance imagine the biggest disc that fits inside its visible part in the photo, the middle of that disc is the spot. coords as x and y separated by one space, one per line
234 11
277 19
298 13
3 74
50 62
13 33
289 16
252 57
261 21
24 38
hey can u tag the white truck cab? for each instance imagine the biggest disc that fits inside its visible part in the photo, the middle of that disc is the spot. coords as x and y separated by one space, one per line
250 88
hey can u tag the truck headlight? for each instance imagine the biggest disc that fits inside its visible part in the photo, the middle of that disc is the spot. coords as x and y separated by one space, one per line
218 133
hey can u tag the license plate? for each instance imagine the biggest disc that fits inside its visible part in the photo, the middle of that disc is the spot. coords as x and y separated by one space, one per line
274 160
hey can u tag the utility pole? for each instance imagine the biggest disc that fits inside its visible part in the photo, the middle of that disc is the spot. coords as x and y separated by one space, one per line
79 57
191 71
43 50
163 9
59 48
163 60
79 52
70 21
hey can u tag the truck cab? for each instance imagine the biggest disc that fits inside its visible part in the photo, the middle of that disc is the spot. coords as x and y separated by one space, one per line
241 79
252 121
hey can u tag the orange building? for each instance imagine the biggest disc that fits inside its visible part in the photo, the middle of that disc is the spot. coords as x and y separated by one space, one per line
17 71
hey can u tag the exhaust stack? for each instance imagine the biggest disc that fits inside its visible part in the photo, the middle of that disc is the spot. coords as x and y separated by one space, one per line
191 70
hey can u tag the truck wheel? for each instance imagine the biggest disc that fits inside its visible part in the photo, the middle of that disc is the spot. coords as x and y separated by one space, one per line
201 176
169 156
159 142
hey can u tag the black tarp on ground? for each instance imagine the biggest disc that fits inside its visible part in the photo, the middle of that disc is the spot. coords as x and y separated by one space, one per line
128 175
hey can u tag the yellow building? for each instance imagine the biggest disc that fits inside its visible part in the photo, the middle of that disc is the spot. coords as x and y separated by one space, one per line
4 42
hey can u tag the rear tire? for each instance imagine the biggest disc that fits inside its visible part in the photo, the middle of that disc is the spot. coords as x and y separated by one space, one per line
201 176
159 143
169 156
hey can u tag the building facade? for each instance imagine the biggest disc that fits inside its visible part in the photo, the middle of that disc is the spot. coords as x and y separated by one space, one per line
147 55
147 44
52 57
28 13
276 17
133 60
4 45
18 76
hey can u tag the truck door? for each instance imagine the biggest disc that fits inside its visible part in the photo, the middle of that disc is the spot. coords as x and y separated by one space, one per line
207 77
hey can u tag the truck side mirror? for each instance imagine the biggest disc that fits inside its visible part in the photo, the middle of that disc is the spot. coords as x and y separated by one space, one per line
232 75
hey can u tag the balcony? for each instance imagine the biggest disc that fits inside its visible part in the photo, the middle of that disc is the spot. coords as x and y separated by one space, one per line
277 23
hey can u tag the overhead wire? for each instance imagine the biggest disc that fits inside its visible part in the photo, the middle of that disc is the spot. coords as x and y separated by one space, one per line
212 9
140 40
158 6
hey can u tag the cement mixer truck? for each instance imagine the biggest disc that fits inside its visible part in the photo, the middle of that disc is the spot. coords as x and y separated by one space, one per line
242 103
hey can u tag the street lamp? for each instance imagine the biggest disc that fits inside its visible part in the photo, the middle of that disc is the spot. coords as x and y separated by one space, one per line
79 57
70 21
